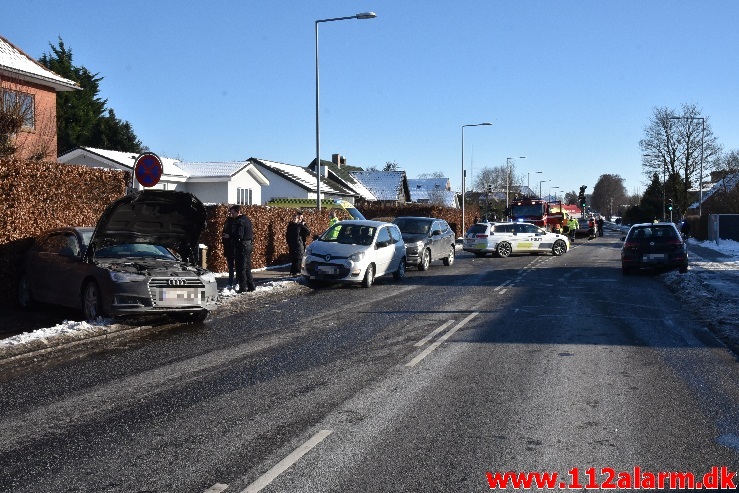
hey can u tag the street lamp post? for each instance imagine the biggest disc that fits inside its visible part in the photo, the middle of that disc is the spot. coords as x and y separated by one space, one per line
549 195
463 172
363 15
528 180
508 177
700 178
542 181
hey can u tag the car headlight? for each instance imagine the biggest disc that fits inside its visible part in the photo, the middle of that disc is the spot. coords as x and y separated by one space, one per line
356 257
208 277
126 277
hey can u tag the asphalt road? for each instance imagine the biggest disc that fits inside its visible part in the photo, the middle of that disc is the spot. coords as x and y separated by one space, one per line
530 363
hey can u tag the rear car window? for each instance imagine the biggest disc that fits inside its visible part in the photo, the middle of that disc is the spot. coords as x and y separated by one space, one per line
653 233
477 229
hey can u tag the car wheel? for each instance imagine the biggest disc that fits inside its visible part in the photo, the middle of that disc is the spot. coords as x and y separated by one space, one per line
369 276
479 254
625 270
450 259
25 296
400 273
425 260
559 248
92 305
504 249
683 269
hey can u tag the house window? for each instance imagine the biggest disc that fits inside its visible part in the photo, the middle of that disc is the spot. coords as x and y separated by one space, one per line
20 103
244 196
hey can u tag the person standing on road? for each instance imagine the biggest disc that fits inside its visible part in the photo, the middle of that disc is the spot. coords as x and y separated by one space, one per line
242 237
228 248
295 235
573 225
600 225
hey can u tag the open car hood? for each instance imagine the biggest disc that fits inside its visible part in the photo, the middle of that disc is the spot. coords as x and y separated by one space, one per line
163 217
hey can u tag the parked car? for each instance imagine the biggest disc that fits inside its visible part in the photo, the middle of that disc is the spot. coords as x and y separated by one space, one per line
140 259
426 239
355 252
657 246
504 239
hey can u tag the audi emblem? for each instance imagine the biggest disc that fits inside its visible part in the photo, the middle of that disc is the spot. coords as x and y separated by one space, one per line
176 282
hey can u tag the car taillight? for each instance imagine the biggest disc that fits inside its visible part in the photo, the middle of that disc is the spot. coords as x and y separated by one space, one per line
630 245
481 236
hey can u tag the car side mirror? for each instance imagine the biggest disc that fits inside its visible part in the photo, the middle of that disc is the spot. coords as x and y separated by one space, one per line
623 238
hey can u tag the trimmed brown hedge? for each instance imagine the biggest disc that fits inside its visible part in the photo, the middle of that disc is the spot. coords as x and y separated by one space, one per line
36 196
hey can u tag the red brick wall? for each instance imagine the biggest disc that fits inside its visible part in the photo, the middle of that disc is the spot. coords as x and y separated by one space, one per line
39 142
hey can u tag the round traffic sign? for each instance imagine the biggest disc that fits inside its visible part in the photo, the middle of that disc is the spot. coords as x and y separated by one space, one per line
148 169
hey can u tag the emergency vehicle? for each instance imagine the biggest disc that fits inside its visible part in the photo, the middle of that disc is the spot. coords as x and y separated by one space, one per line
311 204
548 215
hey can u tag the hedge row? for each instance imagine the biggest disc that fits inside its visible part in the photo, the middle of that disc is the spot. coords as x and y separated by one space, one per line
36 196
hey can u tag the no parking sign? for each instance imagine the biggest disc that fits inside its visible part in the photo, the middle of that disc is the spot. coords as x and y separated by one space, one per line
148 169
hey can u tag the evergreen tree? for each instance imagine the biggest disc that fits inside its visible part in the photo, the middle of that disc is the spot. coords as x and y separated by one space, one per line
81 115
653 199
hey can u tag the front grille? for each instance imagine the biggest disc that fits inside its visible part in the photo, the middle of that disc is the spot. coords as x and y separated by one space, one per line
176 291
320 270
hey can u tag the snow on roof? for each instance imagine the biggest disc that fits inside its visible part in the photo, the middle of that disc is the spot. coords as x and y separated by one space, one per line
728 183
439 196
384 185
427 184
128 159
213 169
297 174
24 67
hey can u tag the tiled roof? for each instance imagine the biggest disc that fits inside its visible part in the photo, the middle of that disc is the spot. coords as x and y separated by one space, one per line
24 67
345 178
128 159
299 175
213 169
384 185
445 197
427 184
727 183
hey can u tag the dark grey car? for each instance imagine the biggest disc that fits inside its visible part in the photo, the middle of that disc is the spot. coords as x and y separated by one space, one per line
426 239
140 259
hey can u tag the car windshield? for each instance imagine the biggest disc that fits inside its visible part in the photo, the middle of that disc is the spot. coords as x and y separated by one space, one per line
653 234
349 234
135 250
413 226
527 210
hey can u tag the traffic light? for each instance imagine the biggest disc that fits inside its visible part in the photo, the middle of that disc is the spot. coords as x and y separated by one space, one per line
581 197
669 204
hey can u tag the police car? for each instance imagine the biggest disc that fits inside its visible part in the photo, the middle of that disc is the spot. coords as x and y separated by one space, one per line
504 239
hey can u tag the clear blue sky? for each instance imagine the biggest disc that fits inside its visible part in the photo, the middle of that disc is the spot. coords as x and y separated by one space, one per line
568 84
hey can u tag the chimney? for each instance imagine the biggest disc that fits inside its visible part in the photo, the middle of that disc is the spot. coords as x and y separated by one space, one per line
338 160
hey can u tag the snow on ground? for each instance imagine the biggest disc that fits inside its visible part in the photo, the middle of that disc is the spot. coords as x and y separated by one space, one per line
710 286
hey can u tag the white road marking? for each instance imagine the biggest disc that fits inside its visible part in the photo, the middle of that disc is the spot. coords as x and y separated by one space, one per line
433 333
216 488
443 338
282 466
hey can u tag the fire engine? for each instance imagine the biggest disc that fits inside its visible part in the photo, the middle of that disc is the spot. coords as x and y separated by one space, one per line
548 215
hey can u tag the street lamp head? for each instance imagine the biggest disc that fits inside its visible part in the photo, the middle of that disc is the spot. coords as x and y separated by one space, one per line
366 15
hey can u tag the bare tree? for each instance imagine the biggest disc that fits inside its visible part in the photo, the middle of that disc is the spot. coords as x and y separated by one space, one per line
498 178
677 145
435 174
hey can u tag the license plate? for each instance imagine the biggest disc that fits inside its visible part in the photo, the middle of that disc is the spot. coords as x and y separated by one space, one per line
655 257
326 269
179 296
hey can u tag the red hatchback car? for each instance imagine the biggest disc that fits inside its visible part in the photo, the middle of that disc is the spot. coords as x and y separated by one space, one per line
656 246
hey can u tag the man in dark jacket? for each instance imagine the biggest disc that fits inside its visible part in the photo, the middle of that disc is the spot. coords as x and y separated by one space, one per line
241 237
296 235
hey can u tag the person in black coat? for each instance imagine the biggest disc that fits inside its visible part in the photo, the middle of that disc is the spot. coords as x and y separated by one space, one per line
228 249
296 235
241 238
